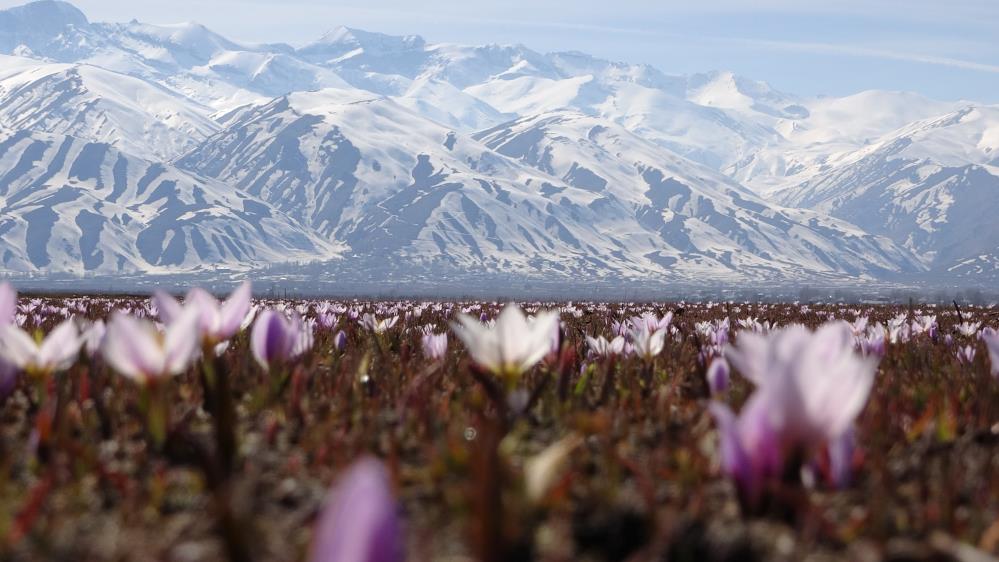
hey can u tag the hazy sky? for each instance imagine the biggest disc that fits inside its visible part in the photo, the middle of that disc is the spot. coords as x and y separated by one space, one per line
945 49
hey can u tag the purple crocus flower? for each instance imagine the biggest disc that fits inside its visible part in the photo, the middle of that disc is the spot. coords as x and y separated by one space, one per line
434 346
327 320
340 340
276 337
749 448
718 375
816 382
360 522
810 389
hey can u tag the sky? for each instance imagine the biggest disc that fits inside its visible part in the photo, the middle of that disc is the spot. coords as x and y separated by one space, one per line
946 50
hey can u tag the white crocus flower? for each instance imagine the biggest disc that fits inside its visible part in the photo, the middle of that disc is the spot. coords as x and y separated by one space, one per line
141 352
217 321
648 344
56 352
511 346
600 346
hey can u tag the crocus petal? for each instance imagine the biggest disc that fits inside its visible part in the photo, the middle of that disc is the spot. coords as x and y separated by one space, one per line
840 451
8 378
718 375
8 303
267 336
60 348
131 349
537 344
479 341
234 310
992 344
180 342
735 461
360 521
167 306
208 311
17 347
541 470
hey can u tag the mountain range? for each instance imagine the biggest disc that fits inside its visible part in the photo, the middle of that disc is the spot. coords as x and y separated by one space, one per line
130 148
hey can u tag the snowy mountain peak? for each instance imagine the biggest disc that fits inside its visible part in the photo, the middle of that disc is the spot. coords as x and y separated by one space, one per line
43 14
343 40
727 90
36 26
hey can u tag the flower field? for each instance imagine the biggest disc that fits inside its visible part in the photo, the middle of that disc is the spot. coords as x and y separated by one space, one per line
198 428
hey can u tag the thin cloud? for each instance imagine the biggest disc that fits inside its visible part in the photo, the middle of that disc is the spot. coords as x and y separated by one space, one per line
856 51
812 47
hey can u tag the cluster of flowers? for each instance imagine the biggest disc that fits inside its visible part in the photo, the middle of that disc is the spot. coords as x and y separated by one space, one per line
809 386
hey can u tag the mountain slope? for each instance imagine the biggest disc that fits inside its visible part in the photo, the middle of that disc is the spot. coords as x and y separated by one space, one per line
932 186
697 214
68 205
95 104
363 169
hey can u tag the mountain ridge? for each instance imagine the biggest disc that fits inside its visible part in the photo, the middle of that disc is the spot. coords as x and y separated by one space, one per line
370 144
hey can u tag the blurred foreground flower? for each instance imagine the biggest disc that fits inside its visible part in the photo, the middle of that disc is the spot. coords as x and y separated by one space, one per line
359 522
815 383
510 347
750 454
36 355
217 321
93 337
811 386
276 337
136 349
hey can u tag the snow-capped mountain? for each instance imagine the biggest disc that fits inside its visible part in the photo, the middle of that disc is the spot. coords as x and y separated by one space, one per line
87 101
363 169
68 205
931 186
698 215
488 158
